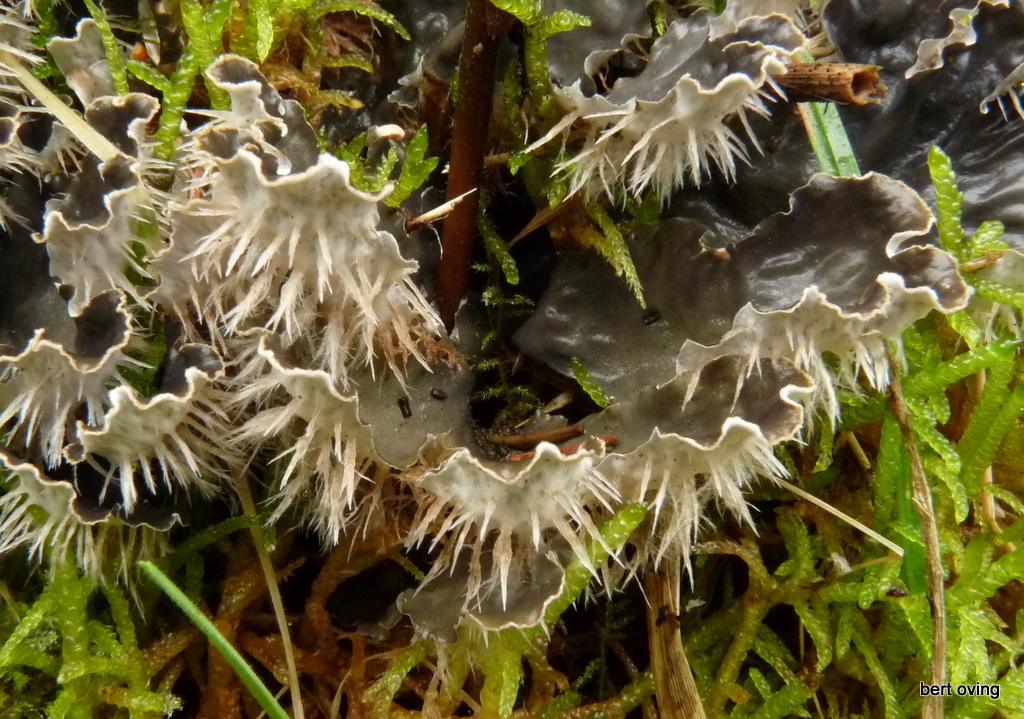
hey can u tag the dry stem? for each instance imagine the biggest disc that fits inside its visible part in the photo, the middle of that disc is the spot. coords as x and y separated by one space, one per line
930 534
674 685
249 507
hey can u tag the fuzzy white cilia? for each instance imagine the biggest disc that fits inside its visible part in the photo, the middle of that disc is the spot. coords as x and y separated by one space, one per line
471 498
300 255
670 125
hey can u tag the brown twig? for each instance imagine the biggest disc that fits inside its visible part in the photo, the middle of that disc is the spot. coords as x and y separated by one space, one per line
674 686
485 25
930 534
169 647
571 449
532 439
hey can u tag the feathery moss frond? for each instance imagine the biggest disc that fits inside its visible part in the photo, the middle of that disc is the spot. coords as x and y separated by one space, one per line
948 200
611 245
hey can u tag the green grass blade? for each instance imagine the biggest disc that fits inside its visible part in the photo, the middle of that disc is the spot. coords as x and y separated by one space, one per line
231 655
827 135
828 139
205 538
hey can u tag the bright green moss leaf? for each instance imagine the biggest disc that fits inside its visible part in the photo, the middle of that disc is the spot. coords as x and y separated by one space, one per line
529 12
561 21
590 385
496 248
367 9
612 246
110 48
416 168
383 691
948 200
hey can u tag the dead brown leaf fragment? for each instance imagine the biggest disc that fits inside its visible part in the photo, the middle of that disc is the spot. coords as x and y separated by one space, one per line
843 82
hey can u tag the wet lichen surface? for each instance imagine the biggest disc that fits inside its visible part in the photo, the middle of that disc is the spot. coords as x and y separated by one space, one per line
519 359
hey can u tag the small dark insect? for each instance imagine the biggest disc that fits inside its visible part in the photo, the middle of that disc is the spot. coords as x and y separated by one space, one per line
664 615
403 404
651 317
438 394
897 592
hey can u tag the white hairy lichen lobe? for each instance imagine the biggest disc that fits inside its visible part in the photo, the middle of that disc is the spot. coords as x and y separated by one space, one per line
671 124
299 255
472 497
